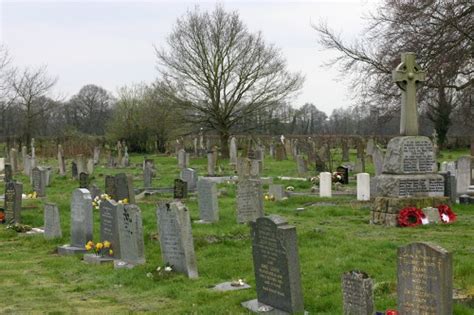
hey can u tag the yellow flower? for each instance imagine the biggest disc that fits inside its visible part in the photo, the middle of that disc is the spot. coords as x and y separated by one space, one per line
125 200
90 243
34 195
111 252
106 244
99 245
88 247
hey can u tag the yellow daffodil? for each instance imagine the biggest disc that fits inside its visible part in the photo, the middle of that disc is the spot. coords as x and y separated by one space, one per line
125 200
106 244
88 247
99 246
111 252
90 243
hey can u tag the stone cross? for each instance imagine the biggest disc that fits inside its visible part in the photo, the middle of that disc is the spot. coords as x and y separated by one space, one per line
406 75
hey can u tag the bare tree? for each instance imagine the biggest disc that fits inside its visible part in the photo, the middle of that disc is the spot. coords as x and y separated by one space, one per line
30 86
220 72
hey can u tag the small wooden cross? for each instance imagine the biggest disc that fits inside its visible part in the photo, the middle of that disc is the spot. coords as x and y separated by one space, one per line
406 75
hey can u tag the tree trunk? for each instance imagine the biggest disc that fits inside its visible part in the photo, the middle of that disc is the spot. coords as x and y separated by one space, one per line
224 135
442 120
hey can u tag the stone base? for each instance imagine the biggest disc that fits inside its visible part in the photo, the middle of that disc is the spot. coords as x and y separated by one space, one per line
227 286
256 307
97 260
415 185
386 209
71 250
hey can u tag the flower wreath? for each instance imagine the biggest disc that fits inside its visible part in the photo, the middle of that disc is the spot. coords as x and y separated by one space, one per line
446 214
410 216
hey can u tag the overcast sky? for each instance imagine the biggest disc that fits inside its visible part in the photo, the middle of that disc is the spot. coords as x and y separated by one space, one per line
110 43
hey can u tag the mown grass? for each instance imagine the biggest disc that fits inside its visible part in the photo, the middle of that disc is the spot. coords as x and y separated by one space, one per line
332 239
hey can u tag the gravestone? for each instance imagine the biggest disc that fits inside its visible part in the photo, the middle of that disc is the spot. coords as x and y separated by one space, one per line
211 163
249 200
52 222
190 177
148 172
39 180
183 159
207 201
81 223
61 161
357 293
12 202
280 153
180 189
233 151
2 164
325 184
126 158
90 166
276 265
450 186
124 187
109 217
363 186
8 177
110 188
463 174
176 239
277 191
344 172
14 160
425 280
81 164
271 150
130 234
302 165
75 174
96 155
27 165
83 180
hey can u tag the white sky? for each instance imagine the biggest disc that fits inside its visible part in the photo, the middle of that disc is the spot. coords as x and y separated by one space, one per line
110 43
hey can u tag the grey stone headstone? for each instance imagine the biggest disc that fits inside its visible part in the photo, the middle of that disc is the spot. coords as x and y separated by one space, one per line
189 175
81 218
450 189
84 180
124 187
176 239
90 166
61 161
409 155
463 174
109 211
110 188
12 202
130 233
425 280
96 155
211 163
27 165
180 189
8 177
148 172
183 159
14 160
249 200
74 172
39 180
233 151
52 222
277 191
302 165
276 264
207 200
357 293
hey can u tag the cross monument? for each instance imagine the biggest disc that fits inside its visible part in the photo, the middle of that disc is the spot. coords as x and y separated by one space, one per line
406 75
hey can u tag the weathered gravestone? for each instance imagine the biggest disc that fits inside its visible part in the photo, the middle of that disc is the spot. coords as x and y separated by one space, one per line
2 164
81 223
249 200
344 173
61 161
276 265
109 217
14 160
90 166
176 239
74 172
110 188
357 293
280 153
277 191
96 155
207 200
377 156
425 280
189 175
81 164
8 177
148 172
124 187
183 159
12 202
52 223
130 234
211 163
302 165
180 189
450 186
27 165
83 180
463 174
39 180
233 151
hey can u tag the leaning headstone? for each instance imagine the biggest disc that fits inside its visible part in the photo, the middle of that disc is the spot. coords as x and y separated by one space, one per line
39 180
363 186
463 174
52 223
425 280
249 200
190 177
207 201
124 187
180 189
83 180
277 191
325 184
276 266
12 202
357 293
130 234
176 239
109 212
81 223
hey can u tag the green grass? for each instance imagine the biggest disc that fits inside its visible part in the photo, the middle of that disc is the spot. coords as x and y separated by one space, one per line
331 240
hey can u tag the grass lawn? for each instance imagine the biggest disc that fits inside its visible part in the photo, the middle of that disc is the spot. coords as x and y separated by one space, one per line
332 239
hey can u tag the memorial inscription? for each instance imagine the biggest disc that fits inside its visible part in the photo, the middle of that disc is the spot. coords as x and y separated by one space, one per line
357 293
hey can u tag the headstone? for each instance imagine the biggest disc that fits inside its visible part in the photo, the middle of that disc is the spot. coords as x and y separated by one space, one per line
443 167
233 151
357 293
24 152
110 188
176 239
451 167
52 222
182 159
96 155
211 163
2 164
119 153
190 177
81 164
12 202
363 186
14 160
344 172
81 222
39 180
180 189
90 166
75 174
84 180
359 165
280 153
124 187
377 156
425 280
147 174
61 161
325 184
463 174
207 201
130 234
126 158
249 200
450 189
277 191
276 265
27 165
272 150
302 165
8 177
109 217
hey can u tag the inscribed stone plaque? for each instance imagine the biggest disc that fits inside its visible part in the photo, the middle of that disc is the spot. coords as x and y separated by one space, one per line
81 218
109 210
357 293
176 239
409 155
207 200
180 189
110 188
425 280
410 185
130 232
52 223
276 264
12 202
124 187
249 200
